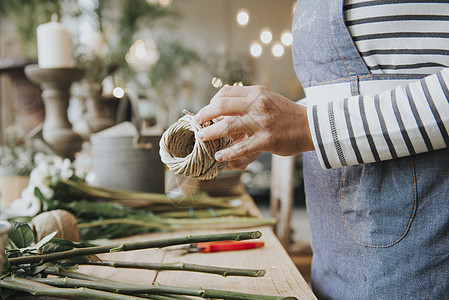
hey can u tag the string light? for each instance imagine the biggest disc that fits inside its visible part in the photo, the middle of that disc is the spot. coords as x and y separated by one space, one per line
242 17
255 49
277 49
287 38
266 36
118 92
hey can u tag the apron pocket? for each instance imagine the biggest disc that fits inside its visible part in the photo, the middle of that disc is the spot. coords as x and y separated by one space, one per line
378 201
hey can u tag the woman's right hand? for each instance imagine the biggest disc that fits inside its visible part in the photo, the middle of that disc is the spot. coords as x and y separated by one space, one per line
259 119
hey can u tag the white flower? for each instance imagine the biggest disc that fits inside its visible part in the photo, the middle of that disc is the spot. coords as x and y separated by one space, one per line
29 205
47 173
66 169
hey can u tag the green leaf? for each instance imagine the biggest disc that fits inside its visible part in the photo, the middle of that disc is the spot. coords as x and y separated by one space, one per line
36 269
58 245
21 235
38 194
45 240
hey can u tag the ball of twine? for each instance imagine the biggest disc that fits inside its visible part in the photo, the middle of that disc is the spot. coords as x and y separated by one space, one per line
186 155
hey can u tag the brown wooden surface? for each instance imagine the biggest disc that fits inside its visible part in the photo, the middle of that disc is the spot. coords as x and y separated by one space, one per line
282 277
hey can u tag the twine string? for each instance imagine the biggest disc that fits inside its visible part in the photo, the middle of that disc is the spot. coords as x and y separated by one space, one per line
186 155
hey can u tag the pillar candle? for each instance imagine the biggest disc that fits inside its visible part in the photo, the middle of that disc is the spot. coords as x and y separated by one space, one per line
54 47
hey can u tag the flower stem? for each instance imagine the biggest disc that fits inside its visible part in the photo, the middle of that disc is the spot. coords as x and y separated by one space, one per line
133 246
179 266
145 224
39 289
204 213
124 196
173 223
157 289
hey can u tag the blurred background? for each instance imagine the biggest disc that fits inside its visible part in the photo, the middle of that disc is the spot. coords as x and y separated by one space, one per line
169 55
145 61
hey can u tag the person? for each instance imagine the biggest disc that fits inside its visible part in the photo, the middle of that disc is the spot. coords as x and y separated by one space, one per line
374 137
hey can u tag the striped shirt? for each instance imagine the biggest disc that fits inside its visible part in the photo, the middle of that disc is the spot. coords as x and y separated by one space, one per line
393 37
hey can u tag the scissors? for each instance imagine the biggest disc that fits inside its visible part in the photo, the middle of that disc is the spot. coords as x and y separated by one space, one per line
223 246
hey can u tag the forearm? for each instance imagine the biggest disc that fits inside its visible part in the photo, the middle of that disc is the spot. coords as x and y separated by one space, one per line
404 121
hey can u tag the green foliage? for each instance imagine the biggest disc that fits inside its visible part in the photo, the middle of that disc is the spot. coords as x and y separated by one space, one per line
58 245
135 14
21 235
21 243
39 245
88 211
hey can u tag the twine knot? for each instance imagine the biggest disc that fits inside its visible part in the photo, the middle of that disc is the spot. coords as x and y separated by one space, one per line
186 155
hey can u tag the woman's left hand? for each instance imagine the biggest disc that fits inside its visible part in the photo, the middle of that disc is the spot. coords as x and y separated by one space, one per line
259 120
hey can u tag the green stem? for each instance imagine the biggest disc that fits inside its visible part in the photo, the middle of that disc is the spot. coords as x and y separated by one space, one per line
179 266
56 271
133 246
225 222
124 195
145 224
158 289
172 223
204 213
39 289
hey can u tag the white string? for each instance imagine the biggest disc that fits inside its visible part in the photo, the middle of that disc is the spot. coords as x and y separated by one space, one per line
186 155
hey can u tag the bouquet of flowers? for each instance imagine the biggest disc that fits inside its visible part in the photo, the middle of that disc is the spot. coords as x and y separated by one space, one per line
109 213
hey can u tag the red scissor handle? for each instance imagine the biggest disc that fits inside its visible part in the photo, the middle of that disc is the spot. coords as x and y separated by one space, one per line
228 246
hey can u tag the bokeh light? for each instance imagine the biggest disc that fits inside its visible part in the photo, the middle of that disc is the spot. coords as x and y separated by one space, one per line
277 49
242 17
255 49
118 92
287 38
266 36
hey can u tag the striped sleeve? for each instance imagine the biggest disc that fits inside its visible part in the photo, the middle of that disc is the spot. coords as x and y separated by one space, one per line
404 121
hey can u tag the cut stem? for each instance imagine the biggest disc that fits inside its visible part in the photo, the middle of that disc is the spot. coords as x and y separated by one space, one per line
39 289
133 246
157 289
179 266
227 222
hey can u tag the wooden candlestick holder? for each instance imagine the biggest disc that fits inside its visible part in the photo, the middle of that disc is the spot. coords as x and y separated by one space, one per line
57 130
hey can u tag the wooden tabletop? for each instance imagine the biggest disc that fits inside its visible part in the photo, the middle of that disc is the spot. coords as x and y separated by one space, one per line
282 278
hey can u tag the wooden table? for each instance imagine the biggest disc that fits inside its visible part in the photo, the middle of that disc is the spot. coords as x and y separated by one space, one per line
282 277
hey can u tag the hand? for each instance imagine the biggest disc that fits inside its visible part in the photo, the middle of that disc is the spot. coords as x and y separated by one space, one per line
259 120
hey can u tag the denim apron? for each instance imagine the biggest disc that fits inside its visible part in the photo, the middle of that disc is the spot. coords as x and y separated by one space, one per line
379 230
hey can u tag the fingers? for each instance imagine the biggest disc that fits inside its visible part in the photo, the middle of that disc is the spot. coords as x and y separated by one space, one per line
233 91
226 127
242 163
229 101
247 147
223 106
